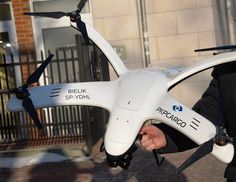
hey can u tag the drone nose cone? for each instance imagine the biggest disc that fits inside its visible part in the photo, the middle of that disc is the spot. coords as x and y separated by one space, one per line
115 148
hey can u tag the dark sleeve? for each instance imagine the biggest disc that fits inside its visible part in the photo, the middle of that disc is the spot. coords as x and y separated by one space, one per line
176 141
224 69
206 106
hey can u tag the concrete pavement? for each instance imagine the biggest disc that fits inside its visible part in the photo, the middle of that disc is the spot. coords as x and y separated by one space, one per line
143 169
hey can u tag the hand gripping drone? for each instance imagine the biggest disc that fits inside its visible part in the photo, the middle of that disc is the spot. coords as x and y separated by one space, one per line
135 97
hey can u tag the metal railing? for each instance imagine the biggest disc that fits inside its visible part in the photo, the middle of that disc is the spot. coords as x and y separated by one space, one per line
71 123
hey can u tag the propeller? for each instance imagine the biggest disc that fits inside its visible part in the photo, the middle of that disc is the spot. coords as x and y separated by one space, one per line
23 94
227 47
55 14
81 5
221 139
74 17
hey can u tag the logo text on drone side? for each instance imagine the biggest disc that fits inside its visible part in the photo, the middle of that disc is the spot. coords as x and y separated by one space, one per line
171 117
77 91
177 108
77 94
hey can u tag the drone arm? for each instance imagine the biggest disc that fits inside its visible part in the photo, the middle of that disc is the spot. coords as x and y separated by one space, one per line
106 48
191 124
198 67
99 94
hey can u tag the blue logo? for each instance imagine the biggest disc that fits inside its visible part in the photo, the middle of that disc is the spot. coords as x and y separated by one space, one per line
177 108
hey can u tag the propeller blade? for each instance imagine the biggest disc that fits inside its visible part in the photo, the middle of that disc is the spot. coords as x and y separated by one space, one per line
23 94
29 107
81 5
56 14
83 30
34 77
203 150
216 48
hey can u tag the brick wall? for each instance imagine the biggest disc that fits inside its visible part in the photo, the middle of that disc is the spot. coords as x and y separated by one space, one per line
23 26
24 33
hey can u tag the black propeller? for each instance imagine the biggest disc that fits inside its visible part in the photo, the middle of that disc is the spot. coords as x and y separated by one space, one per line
81 5
55 14
221 139
227 47
23 94
74 17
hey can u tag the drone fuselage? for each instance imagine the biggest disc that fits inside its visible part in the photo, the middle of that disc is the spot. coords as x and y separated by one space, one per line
138 93
132 99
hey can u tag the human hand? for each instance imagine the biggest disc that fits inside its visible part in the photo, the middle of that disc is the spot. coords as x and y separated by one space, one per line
152 138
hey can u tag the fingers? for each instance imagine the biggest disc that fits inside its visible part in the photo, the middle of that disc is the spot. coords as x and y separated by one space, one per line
145 138
146 129
150 147
147 143
152 138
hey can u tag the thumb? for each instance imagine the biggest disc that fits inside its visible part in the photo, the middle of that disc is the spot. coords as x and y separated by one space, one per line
144 130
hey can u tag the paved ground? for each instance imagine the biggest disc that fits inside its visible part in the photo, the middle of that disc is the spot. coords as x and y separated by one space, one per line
143 169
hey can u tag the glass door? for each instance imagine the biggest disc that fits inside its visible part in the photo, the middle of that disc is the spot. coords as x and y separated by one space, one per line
53 33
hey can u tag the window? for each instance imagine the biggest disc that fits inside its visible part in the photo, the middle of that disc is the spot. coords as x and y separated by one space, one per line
58 37
5 12
52 33
8 40
4 37
4 42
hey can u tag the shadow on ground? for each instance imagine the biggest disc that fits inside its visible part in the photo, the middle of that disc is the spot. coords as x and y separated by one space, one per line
143 168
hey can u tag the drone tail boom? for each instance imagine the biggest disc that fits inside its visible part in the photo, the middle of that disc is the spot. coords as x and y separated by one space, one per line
191 124
107 49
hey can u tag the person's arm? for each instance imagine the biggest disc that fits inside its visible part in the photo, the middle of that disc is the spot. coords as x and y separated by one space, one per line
165 139
176 141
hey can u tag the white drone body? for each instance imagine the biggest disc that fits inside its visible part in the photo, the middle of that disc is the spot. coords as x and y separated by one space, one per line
135 97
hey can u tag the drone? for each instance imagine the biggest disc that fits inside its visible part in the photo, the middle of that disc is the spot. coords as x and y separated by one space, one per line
134 98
